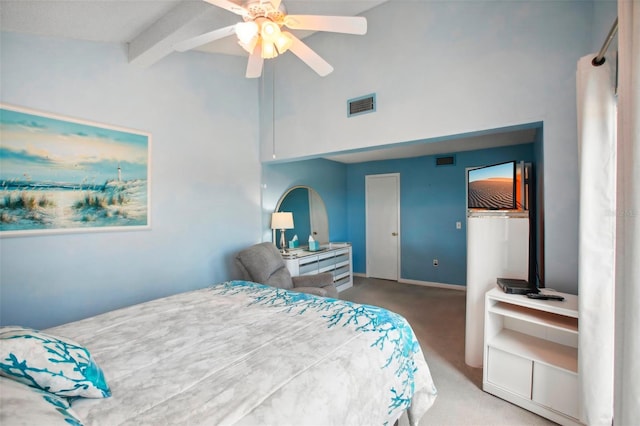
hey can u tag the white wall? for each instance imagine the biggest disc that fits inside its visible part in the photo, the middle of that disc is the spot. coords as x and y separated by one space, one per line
205 177
444 68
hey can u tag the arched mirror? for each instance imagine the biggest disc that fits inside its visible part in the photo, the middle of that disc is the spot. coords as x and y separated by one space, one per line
309 215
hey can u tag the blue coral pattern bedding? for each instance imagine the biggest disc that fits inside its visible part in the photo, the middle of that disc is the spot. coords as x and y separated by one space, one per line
241 353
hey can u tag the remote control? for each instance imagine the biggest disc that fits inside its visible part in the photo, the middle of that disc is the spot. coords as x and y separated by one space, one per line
542 296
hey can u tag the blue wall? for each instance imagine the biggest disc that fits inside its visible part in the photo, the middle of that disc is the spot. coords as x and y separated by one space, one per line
203 114
456 67
205 177
328 178
432 200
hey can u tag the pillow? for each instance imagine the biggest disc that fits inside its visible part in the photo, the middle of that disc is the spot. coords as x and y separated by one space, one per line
24 405
53 364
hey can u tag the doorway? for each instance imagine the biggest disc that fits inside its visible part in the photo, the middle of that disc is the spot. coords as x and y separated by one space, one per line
382 199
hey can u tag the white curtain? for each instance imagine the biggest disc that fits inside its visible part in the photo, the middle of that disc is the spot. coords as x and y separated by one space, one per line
627 367
597 239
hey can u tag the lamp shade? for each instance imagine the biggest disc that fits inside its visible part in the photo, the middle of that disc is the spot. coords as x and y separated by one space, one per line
247 31
268 50
283 42
282 220
269 31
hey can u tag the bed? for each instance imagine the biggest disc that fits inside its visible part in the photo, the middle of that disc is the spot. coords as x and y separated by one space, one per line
241 353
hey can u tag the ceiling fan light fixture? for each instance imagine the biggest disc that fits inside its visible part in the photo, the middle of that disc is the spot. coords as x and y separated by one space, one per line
268 50
246 31
283 42
262 36
270 31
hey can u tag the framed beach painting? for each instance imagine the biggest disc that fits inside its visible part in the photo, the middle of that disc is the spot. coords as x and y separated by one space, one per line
59 174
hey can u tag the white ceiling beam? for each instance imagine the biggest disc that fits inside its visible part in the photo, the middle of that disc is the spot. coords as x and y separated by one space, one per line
157 41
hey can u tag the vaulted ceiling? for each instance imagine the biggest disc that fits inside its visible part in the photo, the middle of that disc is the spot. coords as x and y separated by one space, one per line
150 28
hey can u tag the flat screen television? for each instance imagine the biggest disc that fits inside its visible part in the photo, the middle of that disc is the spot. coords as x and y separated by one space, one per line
492 187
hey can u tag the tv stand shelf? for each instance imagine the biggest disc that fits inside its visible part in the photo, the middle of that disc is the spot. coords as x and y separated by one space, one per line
538 350
524 313
531 353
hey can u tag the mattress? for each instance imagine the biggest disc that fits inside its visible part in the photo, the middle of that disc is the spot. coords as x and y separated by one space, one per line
241 353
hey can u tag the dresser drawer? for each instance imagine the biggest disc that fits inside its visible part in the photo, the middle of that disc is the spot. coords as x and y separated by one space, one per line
555 388
509 371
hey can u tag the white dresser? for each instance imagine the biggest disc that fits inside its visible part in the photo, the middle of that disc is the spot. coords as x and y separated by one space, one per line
333 257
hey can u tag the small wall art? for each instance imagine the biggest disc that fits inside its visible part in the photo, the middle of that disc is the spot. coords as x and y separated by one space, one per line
59 174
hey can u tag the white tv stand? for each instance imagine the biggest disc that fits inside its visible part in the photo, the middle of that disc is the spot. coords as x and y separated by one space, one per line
531 353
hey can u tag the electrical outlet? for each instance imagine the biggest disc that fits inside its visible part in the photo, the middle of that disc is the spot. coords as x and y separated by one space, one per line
435 262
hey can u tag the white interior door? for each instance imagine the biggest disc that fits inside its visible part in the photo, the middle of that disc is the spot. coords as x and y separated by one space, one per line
383 225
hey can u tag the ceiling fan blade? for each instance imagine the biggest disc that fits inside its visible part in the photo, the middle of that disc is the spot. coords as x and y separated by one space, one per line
254 66
275 3
205 38
309 57
336 24
230 6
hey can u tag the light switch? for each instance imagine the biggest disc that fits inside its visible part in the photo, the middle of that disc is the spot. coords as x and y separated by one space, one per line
458 225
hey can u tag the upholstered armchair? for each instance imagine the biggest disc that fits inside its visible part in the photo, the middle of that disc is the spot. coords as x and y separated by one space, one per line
262 263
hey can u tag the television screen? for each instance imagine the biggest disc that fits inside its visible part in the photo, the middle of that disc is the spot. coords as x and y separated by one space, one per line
492 187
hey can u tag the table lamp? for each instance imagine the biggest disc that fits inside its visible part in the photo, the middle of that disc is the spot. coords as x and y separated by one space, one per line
282 221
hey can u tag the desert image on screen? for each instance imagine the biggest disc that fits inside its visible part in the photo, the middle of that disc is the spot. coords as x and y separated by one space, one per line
491 187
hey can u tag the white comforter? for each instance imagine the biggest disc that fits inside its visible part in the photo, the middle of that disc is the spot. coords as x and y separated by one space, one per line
243 353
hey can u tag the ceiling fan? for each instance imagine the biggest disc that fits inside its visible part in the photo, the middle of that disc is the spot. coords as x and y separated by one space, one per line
261 34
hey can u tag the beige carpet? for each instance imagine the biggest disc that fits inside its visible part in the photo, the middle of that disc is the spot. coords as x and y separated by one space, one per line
437 316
